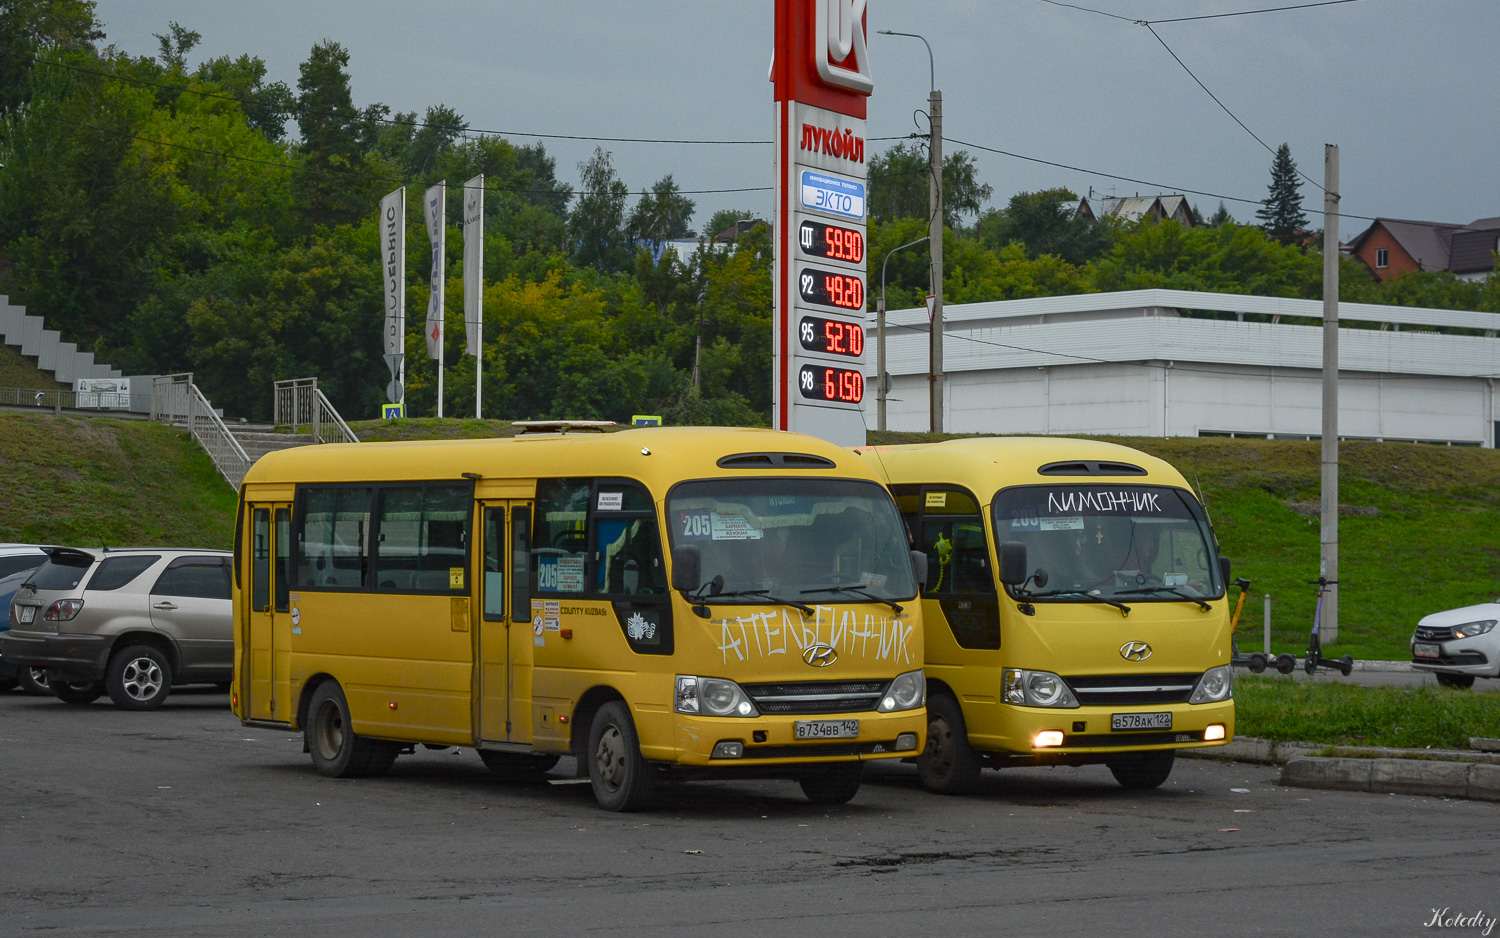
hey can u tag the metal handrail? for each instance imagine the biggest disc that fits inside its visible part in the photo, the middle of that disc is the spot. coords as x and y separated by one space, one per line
300 401
176 399
58 399
329 427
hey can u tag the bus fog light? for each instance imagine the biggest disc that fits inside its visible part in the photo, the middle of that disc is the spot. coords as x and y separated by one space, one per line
906 741
1048 738
729 750
1214 731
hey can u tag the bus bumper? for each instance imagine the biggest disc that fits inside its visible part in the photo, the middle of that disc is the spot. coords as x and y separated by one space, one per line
727 742
1085 734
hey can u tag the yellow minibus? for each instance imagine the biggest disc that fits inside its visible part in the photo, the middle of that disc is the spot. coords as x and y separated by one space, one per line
712 602
1075 607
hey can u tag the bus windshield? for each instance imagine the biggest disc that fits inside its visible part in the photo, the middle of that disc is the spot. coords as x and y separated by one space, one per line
809 540
1130 543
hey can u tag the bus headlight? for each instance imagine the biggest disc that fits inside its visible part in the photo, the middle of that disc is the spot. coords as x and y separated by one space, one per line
713 696
1216 684
1035 689
907 692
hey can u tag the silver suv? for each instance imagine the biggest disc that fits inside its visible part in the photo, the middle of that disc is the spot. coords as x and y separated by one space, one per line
130 621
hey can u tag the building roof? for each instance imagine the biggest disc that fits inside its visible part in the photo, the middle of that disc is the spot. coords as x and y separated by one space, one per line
1436 245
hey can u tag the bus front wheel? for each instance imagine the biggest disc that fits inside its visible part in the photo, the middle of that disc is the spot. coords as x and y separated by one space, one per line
949 765
1143 769
837 785
621 777
337 751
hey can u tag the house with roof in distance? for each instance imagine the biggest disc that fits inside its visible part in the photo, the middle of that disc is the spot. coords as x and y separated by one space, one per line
1393 246
1136 208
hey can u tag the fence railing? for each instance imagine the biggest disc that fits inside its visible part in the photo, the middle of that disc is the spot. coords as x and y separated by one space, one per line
175 399
58 399
300 403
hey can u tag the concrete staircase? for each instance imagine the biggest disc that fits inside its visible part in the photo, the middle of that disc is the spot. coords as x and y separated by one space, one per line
259 439
63 359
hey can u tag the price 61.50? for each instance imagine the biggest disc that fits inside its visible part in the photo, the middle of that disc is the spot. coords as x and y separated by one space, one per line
822 383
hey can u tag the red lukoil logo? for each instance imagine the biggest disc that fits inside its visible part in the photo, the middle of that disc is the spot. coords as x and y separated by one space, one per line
839 47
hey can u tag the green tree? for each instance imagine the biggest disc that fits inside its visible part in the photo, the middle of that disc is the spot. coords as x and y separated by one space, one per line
330 180
663 213
900 180
1281 214
175 45
723 220
1044 223
27 27
596 226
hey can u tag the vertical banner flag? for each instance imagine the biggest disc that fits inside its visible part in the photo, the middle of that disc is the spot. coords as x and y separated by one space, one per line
473 264
393 241
434 207
474 281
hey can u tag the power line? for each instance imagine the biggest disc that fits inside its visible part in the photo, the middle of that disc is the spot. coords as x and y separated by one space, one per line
1216 16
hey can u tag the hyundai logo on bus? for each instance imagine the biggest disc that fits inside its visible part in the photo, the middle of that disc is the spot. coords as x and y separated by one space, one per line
819 655
1135 651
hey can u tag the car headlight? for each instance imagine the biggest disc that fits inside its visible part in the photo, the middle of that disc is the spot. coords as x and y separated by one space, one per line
1035 689
907 692
1216 684
713 696
1471 629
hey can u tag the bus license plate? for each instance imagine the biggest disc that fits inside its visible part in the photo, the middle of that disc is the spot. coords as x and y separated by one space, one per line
1140 721
827 729
27 614
1419 650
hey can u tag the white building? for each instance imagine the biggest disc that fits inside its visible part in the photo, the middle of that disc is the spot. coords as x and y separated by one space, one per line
1132 364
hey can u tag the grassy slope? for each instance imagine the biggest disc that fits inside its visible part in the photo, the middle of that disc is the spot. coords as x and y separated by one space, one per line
91 481
1432 547
17 372
1351 715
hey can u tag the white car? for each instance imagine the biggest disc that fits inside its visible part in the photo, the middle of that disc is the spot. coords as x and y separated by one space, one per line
1459 645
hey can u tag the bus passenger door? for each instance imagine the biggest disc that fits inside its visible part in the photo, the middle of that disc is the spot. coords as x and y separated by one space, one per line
505 644
270 548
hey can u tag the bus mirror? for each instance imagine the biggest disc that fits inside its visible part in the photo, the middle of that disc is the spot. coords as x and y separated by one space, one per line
1012 563
919 566
687 568
1224 568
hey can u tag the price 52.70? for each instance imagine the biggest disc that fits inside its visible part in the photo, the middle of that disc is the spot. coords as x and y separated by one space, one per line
831 337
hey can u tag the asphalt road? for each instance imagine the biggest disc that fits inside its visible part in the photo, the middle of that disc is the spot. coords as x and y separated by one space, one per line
183 823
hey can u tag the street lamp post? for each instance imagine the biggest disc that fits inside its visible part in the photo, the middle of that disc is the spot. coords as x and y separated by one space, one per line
880 380
935 232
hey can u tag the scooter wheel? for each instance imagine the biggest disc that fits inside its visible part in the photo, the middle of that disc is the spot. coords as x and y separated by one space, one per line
1257 663
1310 663
1346 665
1286 663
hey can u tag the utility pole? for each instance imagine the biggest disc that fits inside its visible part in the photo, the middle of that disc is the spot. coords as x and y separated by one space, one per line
1329 567
935 245
881 385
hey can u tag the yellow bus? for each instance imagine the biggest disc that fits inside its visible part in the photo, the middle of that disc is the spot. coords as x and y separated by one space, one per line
519 597
1075 607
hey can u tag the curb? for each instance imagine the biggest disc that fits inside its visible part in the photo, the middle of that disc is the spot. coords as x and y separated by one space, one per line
1477 781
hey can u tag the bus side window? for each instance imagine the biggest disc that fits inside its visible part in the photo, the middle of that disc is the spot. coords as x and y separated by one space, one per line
283 557
520 556
331 530
495 562
260 560
559 540
626 545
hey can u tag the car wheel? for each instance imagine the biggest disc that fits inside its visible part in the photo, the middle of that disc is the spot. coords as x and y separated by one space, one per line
337 751
1456 681
33 681
837 785
517 766
621 777
949 765
83 692
1143 769
139 677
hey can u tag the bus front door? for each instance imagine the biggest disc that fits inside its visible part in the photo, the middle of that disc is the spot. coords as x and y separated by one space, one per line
268 655
505 640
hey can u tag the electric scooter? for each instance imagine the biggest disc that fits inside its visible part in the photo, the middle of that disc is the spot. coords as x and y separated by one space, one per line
1315 659
1256 661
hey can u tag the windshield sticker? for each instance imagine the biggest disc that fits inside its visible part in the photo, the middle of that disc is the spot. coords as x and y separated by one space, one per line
872 579
694 525
570 574
611 501
936 500
733 528
779 633
1077 502
1061 524
639 628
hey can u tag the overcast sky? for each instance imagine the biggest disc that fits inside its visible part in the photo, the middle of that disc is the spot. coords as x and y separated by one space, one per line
1409 89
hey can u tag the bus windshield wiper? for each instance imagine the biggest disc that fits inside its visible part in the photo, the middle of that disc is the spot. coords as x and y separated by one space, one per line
703 601
858 591
1086 596
1140 590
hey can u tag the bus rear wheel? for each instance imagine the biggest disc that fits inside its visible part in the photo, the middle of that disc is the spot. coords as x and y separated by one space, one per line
836 785
337 751
516 766
1143 769
621 777
949 765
